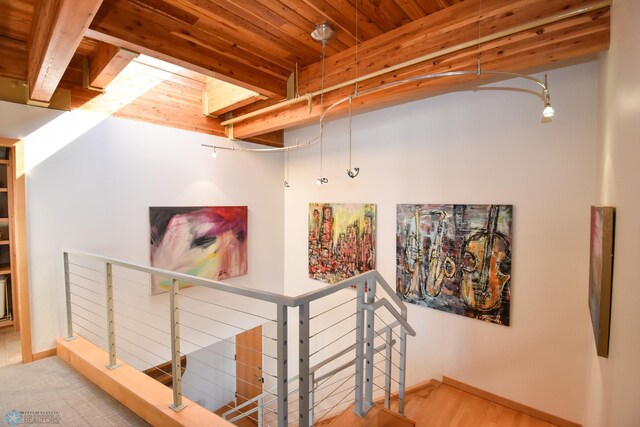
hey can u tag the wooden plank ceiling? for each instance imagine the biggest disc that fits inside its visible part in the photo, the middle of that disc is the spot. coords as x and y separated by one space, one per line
193 53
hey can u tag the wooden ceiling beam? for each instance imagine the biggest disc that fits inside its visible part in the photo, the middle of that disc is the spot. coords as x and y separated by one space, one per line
105 63
566 39
120 23
56 31
440 30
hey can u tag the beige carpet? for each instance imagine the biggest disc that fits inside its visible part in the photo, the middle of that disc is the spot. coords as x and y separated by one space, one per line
49 390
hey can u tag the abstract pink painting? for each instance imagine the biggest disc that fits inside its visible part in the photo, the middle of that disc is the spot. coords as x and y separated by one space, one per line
208 242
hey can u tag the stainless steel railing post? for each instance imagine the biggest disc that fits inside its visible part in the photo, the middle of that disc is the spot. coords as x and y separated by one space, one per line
111 330
282 369
359 348
303 374
67 290
387 370
370 295
402 371
176 364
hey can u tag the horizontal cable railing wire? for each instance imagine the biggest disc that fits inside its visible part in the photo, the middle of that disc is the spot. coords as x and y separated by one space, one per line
110 303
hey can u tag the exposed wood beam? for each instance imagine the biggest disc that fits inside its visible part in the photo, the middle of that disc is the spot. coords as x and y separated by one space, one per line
565 39
175 42
221 97
56 31
105 63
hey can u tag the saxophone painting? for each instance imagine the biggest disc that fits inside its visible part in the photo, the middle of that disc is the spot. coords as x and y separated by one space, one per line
456 258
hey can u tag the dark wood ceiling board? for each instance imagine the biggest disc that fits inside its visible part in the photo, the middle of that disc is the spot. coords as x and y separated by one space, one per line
254 61
342 40
343 16
15 18
122 28
280 49
283 22
13 58
213 41
558 41
86 47
169 10
393 12
412 9
443 29
367 28
431 6
369 10
431 33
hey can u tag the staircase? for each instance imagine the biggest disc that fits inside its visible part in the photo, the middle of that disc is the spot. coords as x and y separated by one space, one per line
442 404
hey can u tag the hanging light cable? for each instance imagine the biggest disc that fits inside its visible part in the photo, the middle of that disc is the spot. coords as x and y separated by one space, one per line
323 33
286 177
353 172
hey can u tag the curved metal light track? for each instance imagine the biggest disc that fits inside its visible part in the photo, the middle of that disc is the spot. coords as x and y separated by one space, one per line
313 141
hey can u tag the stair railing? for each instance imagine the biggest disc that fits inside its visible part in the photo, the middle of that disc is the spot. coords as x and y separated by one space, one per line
375 302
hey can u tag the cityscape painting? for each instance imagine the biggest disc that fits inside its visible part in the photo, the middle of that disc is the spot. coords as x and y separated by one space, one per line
208 242
342 240
456 258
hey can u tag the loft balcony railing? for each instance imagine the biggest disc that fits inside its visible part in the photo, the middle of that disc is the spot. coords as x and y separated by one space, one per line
349 340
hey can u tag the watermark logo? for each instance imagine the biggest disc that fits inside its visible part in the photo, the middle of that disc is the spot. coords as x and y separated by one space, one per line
15 418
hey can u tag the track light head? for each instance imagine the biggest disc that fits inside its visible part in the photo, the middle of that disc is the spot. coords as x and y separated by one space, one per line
214 154
548 111
353 172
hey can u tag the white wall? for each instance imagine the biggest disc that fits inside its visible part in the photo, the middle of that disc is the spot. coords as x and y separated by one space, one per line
94 194
478 147
613 382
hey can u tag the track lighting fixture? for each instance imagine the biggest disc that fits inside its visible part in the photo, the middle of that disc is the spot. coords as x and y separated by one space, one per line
323 33
214 154
548 111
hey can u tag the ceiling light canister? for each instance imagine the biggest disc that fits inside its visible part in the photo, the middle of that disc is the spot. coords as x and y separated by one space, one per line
323 33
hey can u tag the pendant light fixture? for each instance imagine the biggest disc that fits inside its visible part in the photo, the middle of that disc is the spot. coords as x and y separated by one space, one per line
324 32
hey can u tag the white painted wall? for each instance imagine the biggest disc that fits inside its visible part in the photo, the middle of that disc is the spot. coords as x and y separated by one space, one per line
94 193
614 382
478 147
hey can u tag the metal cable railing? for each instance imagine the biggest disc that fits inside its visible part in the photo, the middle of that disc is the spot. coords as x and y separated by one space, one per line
226 347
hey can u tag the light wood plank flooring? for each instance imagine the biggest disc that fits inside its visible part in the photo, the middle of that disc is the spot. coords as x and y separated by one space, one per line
10 352
440 405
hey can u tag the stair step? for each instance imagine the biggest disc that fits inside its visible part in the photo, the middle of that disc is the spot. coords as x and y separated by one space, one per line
377 416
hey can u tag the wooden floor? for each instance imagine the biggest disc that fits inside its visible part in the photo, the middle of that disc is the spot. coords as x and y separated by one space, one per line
10 352
439 405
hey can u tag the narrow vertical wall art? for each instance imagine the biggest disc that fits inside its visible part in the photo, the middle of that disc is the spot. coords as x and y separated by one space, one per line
208 242
456 258
342 240
601 274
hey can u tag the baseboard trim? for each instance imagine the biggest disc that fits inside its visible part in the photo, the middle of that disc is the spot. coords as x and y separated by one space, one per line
509 403
44 354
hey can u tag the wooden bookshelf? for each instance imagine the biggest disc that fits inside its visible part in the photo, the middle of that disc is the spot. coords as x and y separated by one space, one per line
6 249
